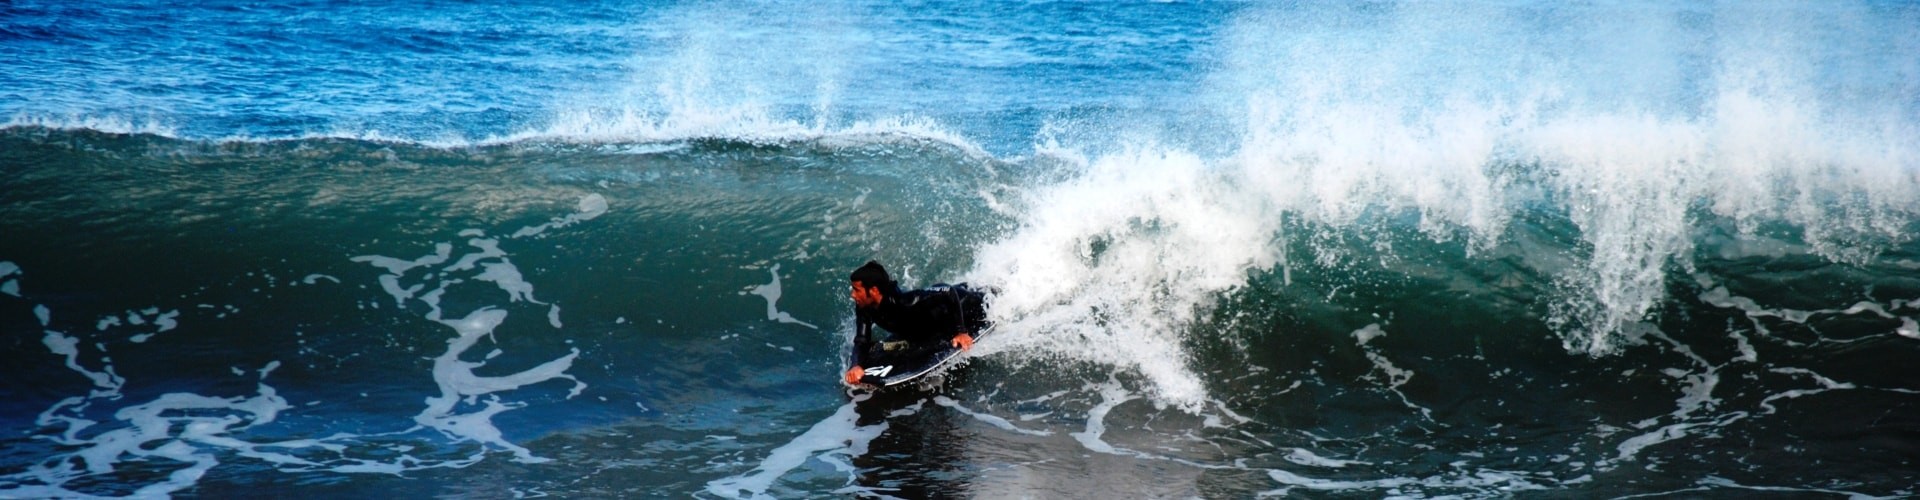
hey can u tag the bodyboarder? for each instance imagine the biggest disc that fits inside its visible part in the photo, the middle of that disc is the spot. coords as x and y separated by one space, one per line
918 322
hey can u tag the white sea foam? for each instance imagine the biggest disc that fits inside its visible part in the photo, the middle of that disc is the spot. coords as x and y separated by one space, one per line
8 283
591 206
1396 376
189 433
771 292
1696 396
315 278
457 381
1826 384
456 377
1492 481
112 124
990 419
1367 334
1111 396
148 436
1292 479
1719 482
839 435
1303 456
146 432
69 347
1719 296
507 276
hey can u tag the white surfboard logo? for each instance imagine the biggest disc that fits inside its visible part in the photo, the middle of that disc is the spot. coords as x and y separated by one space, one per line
880 371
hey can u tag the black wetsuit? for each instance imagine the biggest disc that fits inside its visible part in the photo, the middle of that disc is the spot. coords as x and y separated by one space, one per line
926 319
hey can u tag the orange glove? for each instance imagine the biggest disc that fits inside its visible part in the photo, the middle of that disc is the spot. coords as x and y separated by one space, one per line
853 375
963 341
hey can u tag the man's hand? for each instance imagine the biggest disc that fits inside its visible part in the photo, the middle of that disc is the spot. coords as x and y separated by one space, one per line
853 375
963 341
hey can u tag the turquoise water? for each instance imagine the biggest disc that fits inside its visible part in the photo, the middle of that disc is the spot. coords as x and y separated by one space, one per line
1474 249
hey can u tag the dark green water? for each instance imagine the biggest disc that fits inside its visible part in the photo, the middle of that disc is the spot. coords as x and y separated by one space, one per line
351 318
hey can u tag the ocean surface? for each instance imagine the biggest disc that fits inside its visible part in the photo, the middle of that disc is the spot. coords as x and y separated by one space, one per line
477 249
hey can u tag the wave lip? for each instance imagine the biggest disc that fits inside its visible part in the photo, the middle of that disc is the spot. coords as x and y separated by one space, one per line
99 123
746 123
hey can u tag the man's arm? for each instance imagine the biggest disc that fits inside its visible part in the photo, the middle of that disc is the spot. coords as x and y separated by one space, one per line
962 338
862 340
862 335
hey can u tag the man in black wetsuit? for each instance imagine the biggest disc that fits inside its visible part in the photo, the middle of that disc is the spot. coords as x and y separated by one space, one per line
916 320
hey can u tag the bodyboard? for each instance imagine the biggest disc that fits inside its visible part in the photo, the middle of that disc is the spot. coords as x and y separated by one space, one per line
892 368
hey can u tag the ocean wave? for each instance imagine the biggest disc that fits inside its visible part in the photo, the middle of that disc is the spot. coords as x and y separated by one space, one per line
630 133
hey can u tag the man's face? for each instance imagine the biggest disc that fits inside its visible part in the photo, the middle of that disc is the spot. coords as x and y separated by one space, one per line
865 296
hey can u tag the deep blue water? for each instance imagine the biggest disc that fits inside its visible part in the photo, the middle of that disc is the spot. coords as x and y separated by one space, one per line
1245 249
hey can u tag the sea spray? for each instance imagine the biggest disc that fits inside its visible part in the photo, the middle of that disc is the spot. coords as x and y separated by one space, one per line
1112 266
